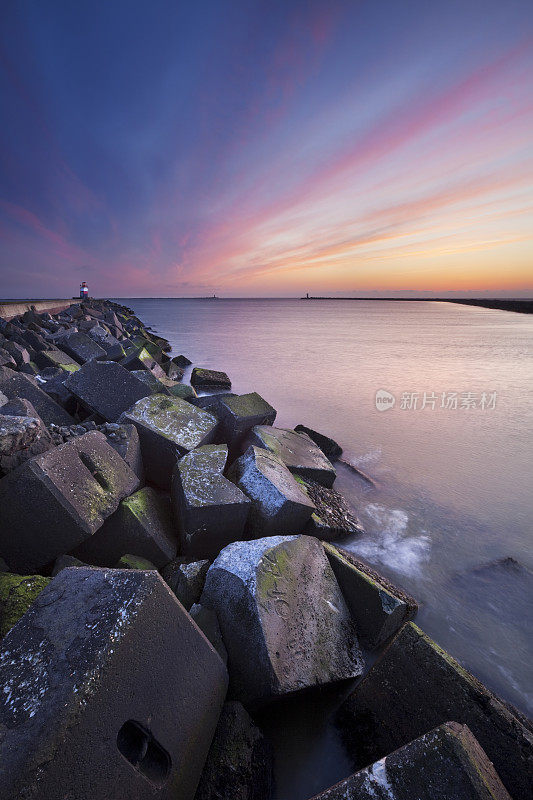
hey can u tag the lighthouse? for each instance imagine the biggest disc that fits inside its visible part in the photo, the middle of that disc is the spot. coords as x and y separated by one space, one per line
84 290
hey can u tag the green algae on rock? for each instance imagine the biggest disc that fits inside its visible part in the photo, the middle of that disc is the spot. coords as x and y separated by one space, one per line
17 593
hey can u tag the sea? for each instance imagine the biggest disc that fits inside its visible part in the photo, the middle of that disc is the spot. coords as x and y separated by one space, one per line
432 405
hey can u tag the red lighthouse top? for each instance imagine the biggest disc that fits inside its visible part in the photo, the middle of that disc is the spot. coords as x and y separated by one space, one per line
84 290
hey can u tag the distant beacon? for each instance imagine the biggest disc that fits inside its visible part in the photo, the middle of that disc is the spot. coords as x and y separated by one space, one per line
84 290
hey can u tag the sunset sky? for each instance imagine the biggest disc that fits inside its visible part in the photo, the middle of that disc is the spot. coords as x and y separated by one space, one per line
266 148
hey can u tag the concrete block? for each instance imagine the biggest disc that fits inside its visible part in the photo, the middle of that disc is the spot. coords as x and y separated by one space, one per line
141 526
211 511
81 347
15 384
378 607
207 621
279 504
416 686
240 413
106 388
125 440
73 489
110 691
447 763
283 618
209 379
56 358
332 518
329 447
186 579
168 428
17 593
296 450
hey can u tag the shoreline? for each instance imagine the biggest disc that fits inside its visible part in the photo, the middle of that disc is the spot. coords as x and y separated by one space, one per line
232 526
518 306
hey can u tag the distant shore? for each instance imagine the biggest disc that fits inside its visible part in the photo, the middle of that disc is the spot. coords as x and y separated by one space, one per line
519 306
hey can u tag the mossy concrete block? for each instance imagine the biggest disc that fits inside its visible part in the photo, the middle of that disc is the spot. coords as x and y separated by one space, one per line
329 447
378 607
296 450
16 384
240 761
110 691
110 343
17 593
279 504
80 346
56 358
209 379
129 561
416 686
106 388
211 511
447 763
142 359
182 361
168 428
142 525
283 618
53 502
181 390
240 413
207 621
332 518
186 579
154 384
172 370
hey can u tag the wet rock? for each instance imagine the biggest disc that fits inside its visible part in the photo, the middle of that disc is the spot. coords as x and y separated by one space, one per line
73 489
240 413
416 686
296 450
168 428
186 579
211 511
141 526
378 607
446 763
283 618
209 379
106 388
15 384
207 621
66 561
78 721
81 347
17 593
329 447
279 504
332 518
240 761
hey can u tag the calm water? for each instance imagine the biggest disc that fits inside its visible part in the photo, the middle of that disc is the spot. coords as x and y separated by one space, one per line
453 491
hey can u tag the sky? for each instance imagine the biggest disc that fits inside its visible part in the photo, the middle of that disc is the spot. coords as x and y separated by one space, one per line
243 148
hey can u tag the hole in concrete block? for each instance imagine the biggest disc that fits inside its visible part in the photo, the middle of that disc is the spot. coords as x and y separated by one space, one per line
144 753
95 471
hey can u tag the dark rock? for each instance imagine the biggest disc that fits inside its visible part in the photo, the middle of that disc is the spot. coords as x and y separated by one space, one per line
181 361
126 442
332 518
110 691
212 402
186 579
15 384
21 438
129 561
240 413
56 358
17 352
209 379
329 447
81 347
181 390
106 388
17 593
153 383
141 526
6 359
73 489
207 621
142 359
62 562
296 450
110 343
211 511
240 761
279 504
283 618
173 371
168 428
378 607
416 686
447 763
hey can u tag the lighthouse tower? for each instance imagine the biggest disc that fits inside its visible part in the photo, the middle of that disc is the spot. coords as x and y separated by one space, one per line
84 290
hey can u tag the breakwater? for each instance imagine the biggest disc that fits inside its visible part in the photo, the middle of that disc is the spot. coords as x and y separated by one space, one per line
14 308
203 496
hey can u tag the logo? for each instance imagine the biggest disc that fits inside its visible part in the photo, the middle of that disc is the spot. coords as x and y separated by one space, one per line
384 400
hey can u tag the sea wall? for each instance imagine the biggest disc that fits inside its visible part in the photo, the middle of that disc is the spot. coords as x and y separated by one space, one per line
12 308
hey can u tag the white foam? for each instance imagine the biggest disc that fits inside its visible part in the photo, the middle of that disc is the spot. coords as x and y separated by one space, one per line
389 543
